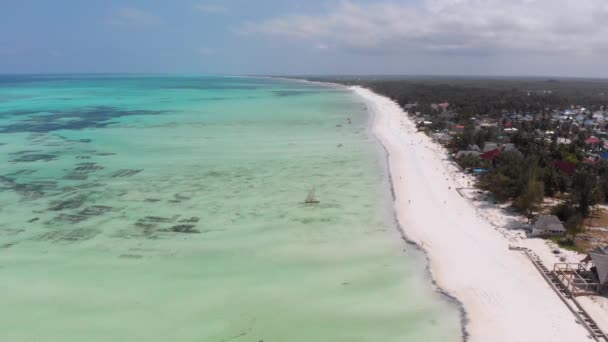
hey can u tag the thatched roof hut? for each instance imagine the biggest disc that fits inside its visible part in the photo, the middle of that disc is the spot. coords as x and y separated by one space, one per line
547 225
599 256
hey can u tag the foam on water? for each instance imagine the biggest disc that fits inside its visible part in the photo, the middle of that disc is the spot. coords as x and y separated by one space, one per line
171 209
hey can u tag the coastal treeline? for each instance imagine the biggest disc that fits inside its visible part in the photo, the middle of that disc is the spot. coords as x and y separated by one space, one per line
470 97
529 139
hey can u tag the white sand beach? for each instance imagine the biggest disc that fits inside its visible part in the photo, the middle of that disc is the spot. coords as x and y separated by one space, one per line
505 297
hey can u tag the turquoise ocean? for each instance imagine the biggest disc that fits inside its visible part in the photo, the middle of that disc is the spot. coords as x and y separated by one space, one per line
149 208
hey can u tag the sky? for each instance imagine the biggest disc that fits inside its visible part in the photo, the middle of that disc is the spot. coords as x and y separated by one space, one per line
306 37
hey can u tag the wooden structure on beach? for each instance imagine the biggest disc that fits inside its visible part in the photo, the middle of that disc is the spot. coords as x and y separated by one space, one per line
552 278
590 277
577 279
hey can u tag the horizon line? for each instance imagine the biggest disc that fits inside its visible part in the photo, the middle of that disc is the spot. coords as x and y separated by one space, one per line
274 75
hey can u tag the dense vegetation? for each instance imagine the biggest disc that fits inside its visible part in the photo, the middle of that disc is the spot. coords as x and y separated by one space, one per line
529 174
488 97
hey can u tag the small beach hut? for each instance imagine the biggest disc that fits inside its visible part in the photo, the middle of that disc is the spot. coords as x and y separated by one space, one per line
599 256
489 146
474 147
592 140
511 148
547 225
491 155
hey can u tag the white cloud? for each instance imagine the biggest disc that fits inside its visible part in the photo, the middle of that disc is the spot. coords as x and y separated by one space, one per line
211 8
131 16
455 26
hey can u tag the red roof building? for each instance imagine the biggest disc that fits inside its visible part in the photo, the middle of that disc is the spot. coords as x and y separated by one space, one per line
491 155
565 167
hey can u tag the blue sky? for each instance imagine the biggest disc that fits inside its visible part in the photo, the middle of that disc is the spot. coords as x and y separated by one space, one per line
454 37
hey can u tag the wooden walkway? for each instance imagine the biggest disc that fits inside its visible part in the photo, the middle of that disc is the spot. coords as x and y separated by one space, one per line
573 305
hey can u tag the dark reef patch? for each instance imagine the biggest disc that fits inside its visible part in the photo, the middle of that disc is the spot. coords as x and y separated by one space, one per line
76 176
42 185
29 158
74 235
11 231
183 228
207 86
88 167
151 227
20 172
284 93
68 218
158 219
82 215
178 198
20 153
37 121
213 174
70 203
37 137
125 173
83 186
30 191
190 220
95 210
23 80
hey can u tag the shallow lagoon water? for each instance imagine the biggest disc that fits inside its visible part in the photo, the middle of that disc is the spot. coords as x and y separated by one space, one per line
171 209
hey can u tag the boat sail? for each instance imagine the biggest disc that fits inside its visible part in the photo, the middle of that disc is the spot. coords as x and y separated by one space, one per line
311 198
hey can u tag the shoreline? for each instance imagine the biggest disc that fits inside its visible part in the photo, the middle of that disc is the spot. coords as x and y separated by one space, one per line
468 259
448 297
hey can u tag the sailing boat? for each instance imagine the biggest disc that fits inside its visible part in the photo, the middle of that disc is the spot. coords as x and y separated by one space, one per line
311 198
